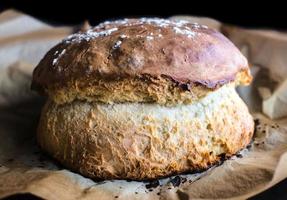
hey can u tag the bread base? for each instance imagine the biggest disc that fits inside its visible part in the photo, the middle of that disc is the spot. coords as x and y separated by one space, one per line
142 141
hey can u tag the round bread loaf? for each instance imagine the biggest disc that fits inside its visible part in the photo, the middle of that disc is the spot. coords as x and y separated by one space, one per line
142 99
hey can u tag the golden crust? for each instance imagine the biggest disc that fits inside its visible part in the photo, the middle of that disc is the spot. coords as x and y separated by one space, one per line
145 141
186 54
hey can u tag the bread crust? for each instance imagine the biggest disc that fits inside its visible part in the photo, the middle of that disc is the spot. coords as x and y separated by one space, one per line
184 53
145 141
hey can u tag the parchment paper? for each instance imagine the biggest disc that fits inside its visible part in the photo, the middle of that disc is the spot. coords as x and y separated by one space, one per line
25 169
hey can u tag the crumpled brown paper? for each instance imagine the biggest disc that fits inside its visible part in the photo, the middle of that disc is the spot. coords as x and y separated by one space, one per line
266 49
25 169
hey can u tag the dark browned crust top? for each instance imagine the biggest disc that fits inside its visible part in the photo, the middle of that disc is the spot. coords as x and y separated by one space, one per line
186 53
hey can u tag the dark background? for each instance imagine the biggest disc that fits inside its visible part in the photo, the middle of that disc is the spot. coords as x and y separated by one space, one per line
264 14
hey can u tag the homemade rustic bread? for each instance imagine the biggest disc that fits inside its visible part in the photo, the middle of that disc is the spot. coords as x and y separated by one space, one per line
142 99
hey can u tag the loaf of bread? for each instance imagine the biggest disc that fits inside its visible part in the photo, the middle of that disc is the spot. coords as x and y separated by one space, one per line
143 99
